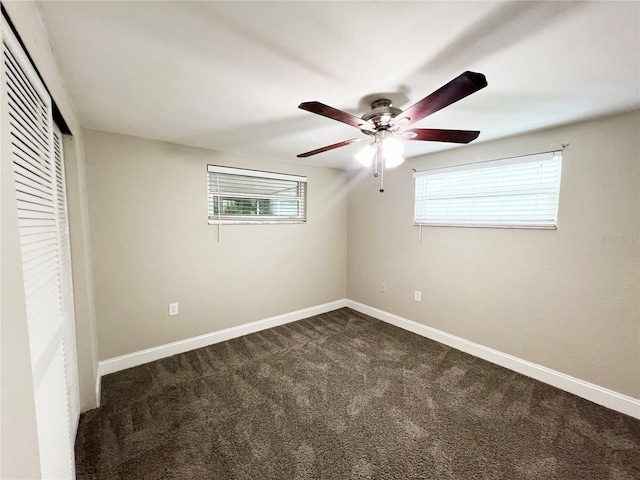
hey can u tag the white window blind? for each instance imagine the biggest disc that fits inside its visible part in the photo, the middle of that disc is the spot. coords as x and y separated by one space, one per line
238 195
40 199
518 192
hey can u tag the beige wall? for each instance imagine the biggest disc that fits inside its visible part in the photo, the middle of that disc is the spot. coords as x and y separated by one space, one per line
152 245
81 265
563 299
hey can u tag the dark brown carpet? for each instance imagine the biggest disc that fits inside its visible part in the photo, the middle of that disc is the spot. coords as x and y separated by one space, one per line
344 396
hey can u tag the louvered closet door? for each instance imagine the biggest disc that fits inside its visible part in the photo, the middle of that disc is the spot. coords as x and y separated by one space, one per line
39 179
66 284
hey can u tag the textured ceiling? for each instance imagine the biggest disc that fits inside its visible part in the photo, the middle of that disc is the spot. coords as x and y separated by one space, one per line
229 75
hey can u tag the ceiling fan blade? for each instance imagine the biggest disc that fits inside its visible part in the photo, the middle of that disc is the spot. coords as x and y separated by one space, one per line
335 114
438 135
330 147
458 88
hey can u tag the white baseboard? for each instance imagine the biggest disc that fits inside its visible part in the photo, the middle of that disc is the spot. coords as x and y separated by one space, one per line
594 393
123 362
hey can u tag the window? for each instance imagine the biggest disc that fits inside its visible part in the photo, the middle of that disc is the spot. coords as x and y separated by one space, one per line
237 195
519 192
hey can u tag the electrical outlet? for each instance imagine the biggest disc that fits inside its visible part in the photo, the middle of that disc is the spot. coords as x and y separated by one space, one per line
383 287
417 295
173 309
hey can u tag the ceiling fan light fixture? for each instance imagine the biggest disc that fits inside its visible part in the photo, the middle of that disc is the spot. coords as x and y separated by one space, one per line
409 135
392 150
365 156
401 122
391 162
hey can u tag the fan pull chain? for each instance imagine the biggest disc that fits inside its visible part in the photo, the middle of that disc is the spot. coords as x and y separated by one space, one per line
376 155
379 158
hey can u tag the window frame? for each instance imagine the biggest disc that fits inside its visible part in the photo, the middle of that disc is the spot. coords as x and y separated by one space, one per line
262 176
550 189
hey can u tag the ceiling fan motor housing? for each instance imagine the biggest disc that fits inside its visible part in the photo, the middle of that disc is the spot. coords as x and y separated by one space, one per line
381 114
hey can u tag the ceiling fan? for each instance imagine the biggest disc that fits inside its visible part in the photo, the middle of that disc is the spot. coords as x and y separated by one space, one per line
385 123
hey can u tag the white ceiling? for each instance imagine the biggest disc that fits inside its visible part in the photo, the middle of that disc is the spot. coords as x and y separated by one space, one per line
229 75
